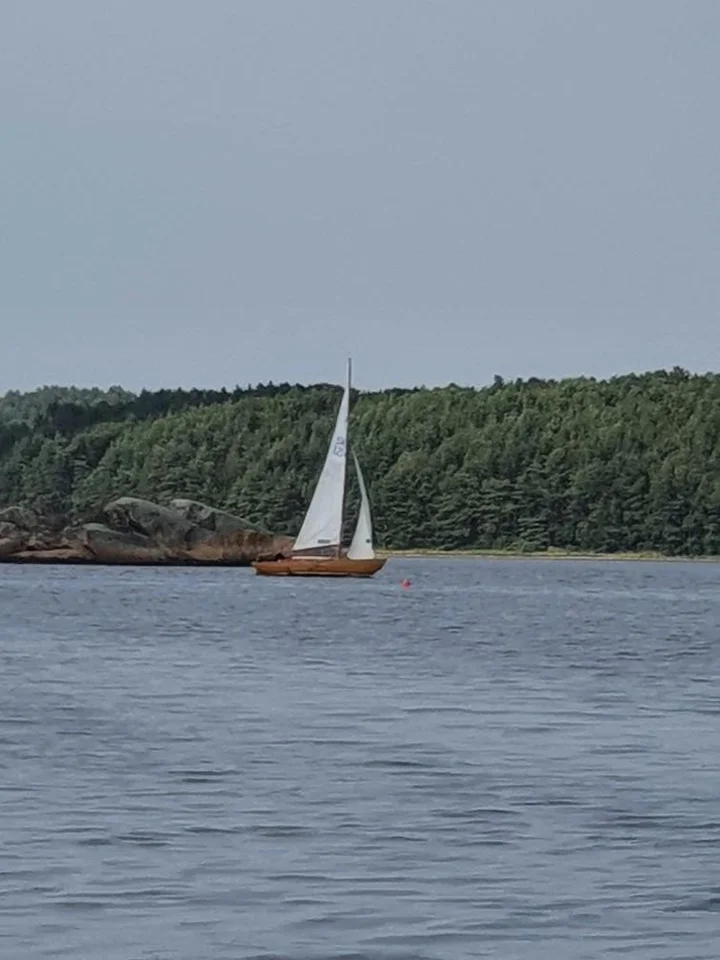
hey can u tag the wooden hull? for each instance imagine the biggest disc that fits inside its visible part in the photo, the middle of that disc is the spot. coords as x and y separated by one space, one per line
319 567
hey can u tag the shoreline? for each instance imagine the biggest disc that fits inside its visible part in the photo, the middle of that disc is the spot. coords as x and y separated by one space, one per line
421 553
646 556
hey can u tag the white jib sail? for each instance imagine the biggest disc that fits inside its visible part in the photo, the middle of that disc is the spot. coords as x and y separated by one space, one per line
322 526
361 547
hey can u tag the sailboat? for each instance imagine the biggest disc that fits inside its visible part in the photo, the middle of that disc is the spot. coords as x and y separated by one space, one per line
318 550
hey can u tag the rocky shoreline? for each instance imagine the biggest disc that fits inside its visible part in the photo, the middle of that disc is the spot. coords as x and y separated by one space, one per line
135 531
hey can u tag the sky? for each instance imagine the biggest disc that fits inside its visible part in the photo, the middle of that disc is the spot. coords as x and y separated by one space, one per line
239 191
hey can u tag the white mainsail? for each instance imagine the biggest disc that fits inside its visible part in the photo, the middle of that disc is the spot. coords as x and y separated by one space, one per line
361 547
322 526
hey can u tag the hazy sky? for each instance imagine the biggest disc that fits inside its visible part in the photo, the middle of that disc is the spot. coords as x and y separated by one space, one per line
206 193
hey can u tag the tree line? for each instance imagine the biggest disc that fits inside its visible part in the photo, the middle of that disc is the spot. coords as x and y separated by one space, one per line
626 464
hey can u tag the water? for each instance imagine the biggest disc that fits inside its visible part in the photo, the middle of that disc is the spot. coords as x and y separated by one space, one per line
512 759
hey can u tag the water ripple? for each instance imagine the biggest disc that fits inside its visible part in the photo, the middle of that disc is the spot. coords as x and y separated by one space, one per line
514 760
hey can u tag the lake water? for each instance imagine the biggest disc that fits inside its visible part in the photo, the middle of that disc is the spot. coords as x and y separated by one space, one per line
511 759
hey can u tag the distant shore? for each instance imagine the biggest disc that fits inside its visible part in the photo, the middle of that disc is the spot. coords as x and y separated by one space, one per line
552 554
68 558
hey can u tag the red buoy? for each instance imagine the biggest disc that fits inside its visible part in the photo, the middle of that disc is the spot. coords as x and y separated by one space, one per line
405 583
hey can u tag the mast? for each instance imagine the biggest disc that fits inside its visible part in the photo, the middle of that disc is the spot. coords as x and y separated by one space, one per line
348 387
